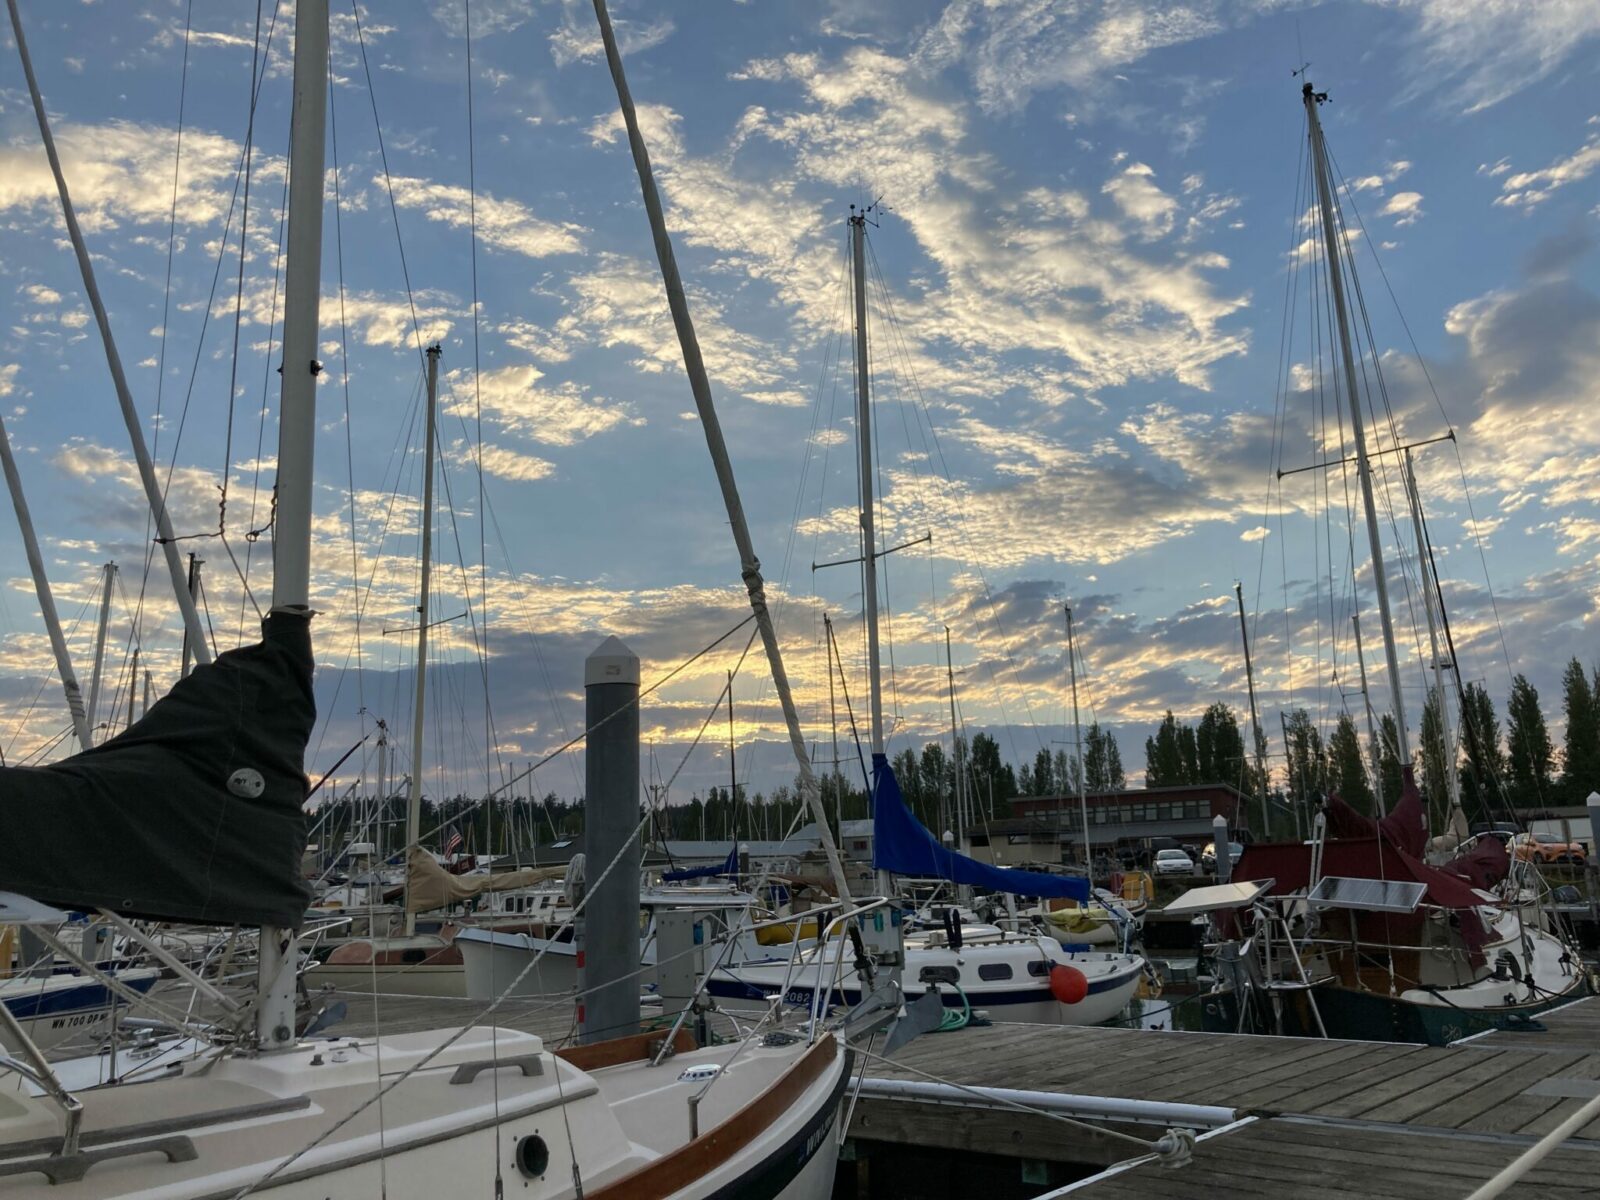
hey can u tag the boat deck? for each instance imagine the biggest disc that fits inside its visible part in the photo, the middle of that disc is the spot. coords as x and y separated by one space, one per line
1444 1118
553 1019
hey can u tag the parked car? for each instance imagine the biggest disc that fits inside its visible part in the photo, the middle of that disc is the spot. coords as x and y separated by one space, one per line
1208 856
1547 848
1173 862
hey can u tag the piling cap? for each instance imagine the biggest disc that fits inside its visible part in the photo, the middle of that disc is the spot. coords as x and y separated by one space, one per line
611 662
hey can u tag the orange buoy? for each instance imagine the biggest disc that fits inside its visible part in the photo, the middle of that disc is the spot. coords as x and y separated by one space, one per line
1068 984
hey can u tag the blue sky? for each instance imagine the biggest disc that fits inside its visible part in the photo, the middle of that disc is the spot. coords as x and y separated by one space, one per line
1088 249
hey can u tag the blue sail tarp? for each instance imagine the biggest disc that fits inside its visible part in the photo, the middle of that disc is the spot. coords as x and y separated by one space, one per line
900 843
730 866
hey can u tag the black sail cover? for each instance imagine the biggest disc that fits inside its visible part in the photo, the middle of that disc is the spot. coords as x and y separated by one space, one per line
147 824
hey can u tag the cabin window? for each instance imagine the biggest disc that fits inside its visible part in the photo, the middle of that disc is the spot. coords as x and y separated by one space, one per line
413 956
1039 968
994 971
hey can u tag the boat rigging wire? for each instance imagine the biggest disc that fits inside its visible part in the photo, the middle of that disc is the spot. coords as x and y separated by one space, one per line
344 384
899 344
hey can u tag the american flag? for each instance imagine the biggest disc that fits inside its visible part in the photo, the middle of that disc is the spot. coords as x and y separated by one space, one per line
453 843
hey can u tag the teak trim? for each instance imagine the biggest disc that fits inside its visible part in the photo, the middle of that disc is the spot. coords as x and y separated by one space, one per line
613 1052
698 1158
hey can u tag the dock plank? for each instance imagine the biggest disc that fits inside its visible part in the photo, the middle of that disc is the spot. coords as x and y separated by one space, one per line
1287 1158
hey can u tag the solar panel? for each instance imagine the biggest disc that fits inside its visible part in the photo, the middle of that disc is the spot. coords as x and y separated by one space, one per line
1368 895
1217 898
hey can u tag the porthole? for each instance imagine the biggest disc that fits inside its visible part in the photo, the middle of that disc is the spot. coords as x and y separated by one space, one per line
532 1156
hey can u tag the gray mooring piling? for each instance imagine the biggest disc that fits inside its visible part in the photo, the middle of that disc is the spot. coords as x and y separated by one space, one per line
608 935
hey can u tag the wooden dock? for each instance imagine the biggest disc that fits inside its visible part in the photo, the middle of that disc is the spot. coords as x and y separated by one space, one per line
1331 1120
1296 1118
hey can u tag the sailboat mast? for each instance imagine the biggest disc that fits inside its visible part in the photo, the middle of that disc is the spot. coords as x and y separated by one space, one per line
1255 718
194 593
419 708
110 572
1372 729
833 717
133 686
1330 237
297 429
869 538
955 748
1077 741
382 811
695 368
1429 596
153 494
47 600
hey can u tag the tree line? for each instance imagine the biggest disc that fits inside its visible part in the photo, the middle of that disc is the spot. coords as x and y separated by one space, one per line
1499 770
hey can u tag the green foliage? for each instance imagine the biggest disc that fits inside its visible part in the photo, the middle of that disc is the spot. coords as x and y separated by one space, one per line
1044 774
1220 748
1347 769
1308 764
1164 764
1580 758
1102 761
1435 770
1389 759
1483 774
1532 757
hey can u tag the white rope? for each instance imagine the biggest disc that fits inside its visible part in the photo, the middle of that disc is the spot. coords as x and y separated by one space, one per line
1538 1152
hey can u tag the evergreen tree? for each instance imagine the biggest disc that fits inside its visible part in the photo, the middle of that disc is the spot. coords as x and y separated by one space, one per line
905 770
1308 770
1189 750
1531 754
937 774
1102 761
1005 784
1389 759
1484 772
1220 748
1347 769
1044 774
1435 777
984 758
1580 773
1066 773
1163 755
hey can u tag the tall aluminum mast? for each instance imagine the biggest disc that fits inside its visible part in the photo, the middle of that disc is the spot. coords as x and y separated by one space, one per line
1333 246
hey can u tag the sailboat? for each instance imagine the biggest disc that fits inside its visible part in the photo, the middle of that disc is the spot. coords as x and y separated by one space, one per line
1019 977
216 838
1354 934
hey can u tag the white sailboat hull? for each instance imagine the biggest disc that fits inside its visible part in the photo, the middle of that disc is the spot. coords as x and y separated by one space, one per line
1021 997
55 1010
491 961
767 1125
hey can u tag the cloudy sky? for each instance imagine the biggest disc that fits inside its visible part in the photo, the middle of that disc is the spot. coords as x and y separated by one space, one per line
1096 334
